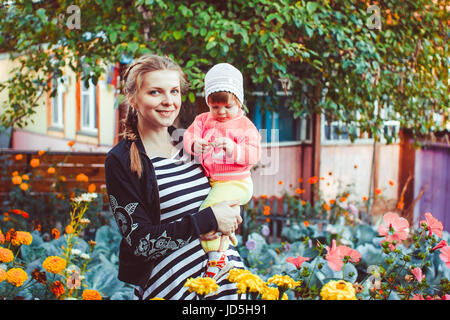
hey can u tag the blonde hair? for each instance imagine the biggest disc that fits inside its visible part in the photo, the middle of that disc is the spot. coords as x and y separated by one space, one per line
132 83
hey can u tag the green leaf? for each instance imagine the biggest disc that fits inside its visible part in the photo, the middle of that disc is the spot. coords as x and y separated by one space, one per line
178 35
113 37
191 97
311 7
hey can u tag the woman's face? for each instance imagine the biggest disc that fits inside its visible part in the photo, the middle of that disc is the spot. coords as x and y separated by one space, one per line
158 101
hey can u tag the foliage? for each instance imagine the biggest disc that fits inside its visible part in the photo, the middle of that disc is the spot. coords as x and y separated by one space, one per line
383 272
63 267
337 62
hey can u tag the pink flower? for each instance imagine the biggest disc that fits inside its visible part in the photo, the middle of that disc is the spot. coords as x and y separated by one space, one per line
336 255
445 256
446 297
418 297
417 272
434 225
297 262
440 245
395 227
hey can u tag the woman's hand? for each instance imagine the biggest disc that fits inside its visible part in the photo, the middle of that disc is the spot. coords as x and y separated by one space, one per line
228 216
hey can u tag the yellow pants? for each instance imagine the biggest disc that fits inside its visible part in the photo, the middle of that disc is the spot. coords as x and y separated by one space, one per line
241 190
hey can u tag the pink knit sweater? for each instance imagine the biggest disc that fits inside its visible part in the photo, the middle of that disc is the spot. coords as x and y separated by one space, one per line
243 133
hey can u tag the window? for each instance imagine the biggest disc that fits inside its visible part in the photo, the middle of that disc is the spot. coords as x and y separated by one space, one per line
57 104
281 121
336 132
88 107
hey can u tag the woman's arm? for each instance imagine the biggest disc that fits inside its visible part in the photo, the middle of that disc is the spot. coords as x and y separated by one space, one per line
146 239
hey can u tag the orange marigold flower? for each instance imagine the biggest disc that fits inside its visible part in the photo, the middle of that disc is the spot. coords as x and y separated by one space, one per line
19 156
11 234
51 170
54 264
313 180
264 196
57 288
34 162
91 188
326 207
6 255
299 191
364 198
15 173
306 223
2 238
71 143
2 275
24 186
16 180
391 182
82 177
378 191
22 237
63 178
41 152
69 229
25 177
91 295
300 179
280 182
16 276
332 201
268 220
303 202
56 233
343 199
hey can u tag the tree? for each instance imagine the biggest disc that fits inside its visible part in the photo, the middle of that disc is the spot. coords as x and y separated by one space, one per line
337 61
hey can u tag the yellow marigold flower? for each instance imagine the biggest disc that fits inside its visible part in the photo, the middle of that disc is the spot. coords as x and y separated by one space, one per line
24 186
283 282
91 188
54 264
34 162
22 237
82 177
6 255
234 274
16 179
16 276
271 293
249 282
338 290
156 298
69 229
2 275
201 285
91 295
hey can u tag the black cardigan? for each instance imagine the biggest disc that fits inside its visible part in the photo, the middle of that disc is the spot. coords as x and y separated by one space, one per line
136 209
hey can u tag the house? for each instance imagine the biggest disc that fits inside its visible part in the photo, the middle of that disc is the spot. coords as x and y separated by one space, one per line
79 113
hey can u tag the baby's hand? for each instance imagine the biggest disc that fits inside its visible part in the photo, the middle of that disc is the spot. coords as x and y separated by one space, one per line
200 146
226 144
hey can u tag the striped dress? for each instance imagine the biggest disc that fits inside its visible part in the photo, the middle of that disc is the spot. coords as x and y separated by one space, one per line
182 188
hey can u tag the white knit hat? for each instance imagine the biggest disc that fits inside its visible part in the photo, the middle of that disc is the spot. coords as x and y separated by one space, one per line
224 77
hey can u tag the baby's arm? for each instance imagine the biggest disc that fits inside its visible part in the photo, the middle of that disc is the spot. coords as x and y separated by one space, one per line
192 139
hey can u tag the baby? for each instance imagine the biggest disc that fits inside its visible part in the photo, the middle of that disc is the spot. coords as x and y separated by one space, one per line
227 145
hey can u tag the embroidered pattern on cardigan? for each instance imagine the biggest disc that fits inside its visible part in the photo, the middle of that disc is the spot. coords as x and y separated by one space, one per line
154 248
123 216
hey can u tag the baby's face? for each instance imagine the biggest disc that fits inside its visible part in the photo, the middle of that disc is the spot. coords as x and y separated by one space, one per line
224 111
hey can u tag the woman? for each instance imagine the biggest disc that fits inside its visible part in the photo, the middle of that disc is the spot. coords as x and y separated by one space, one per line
155 190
